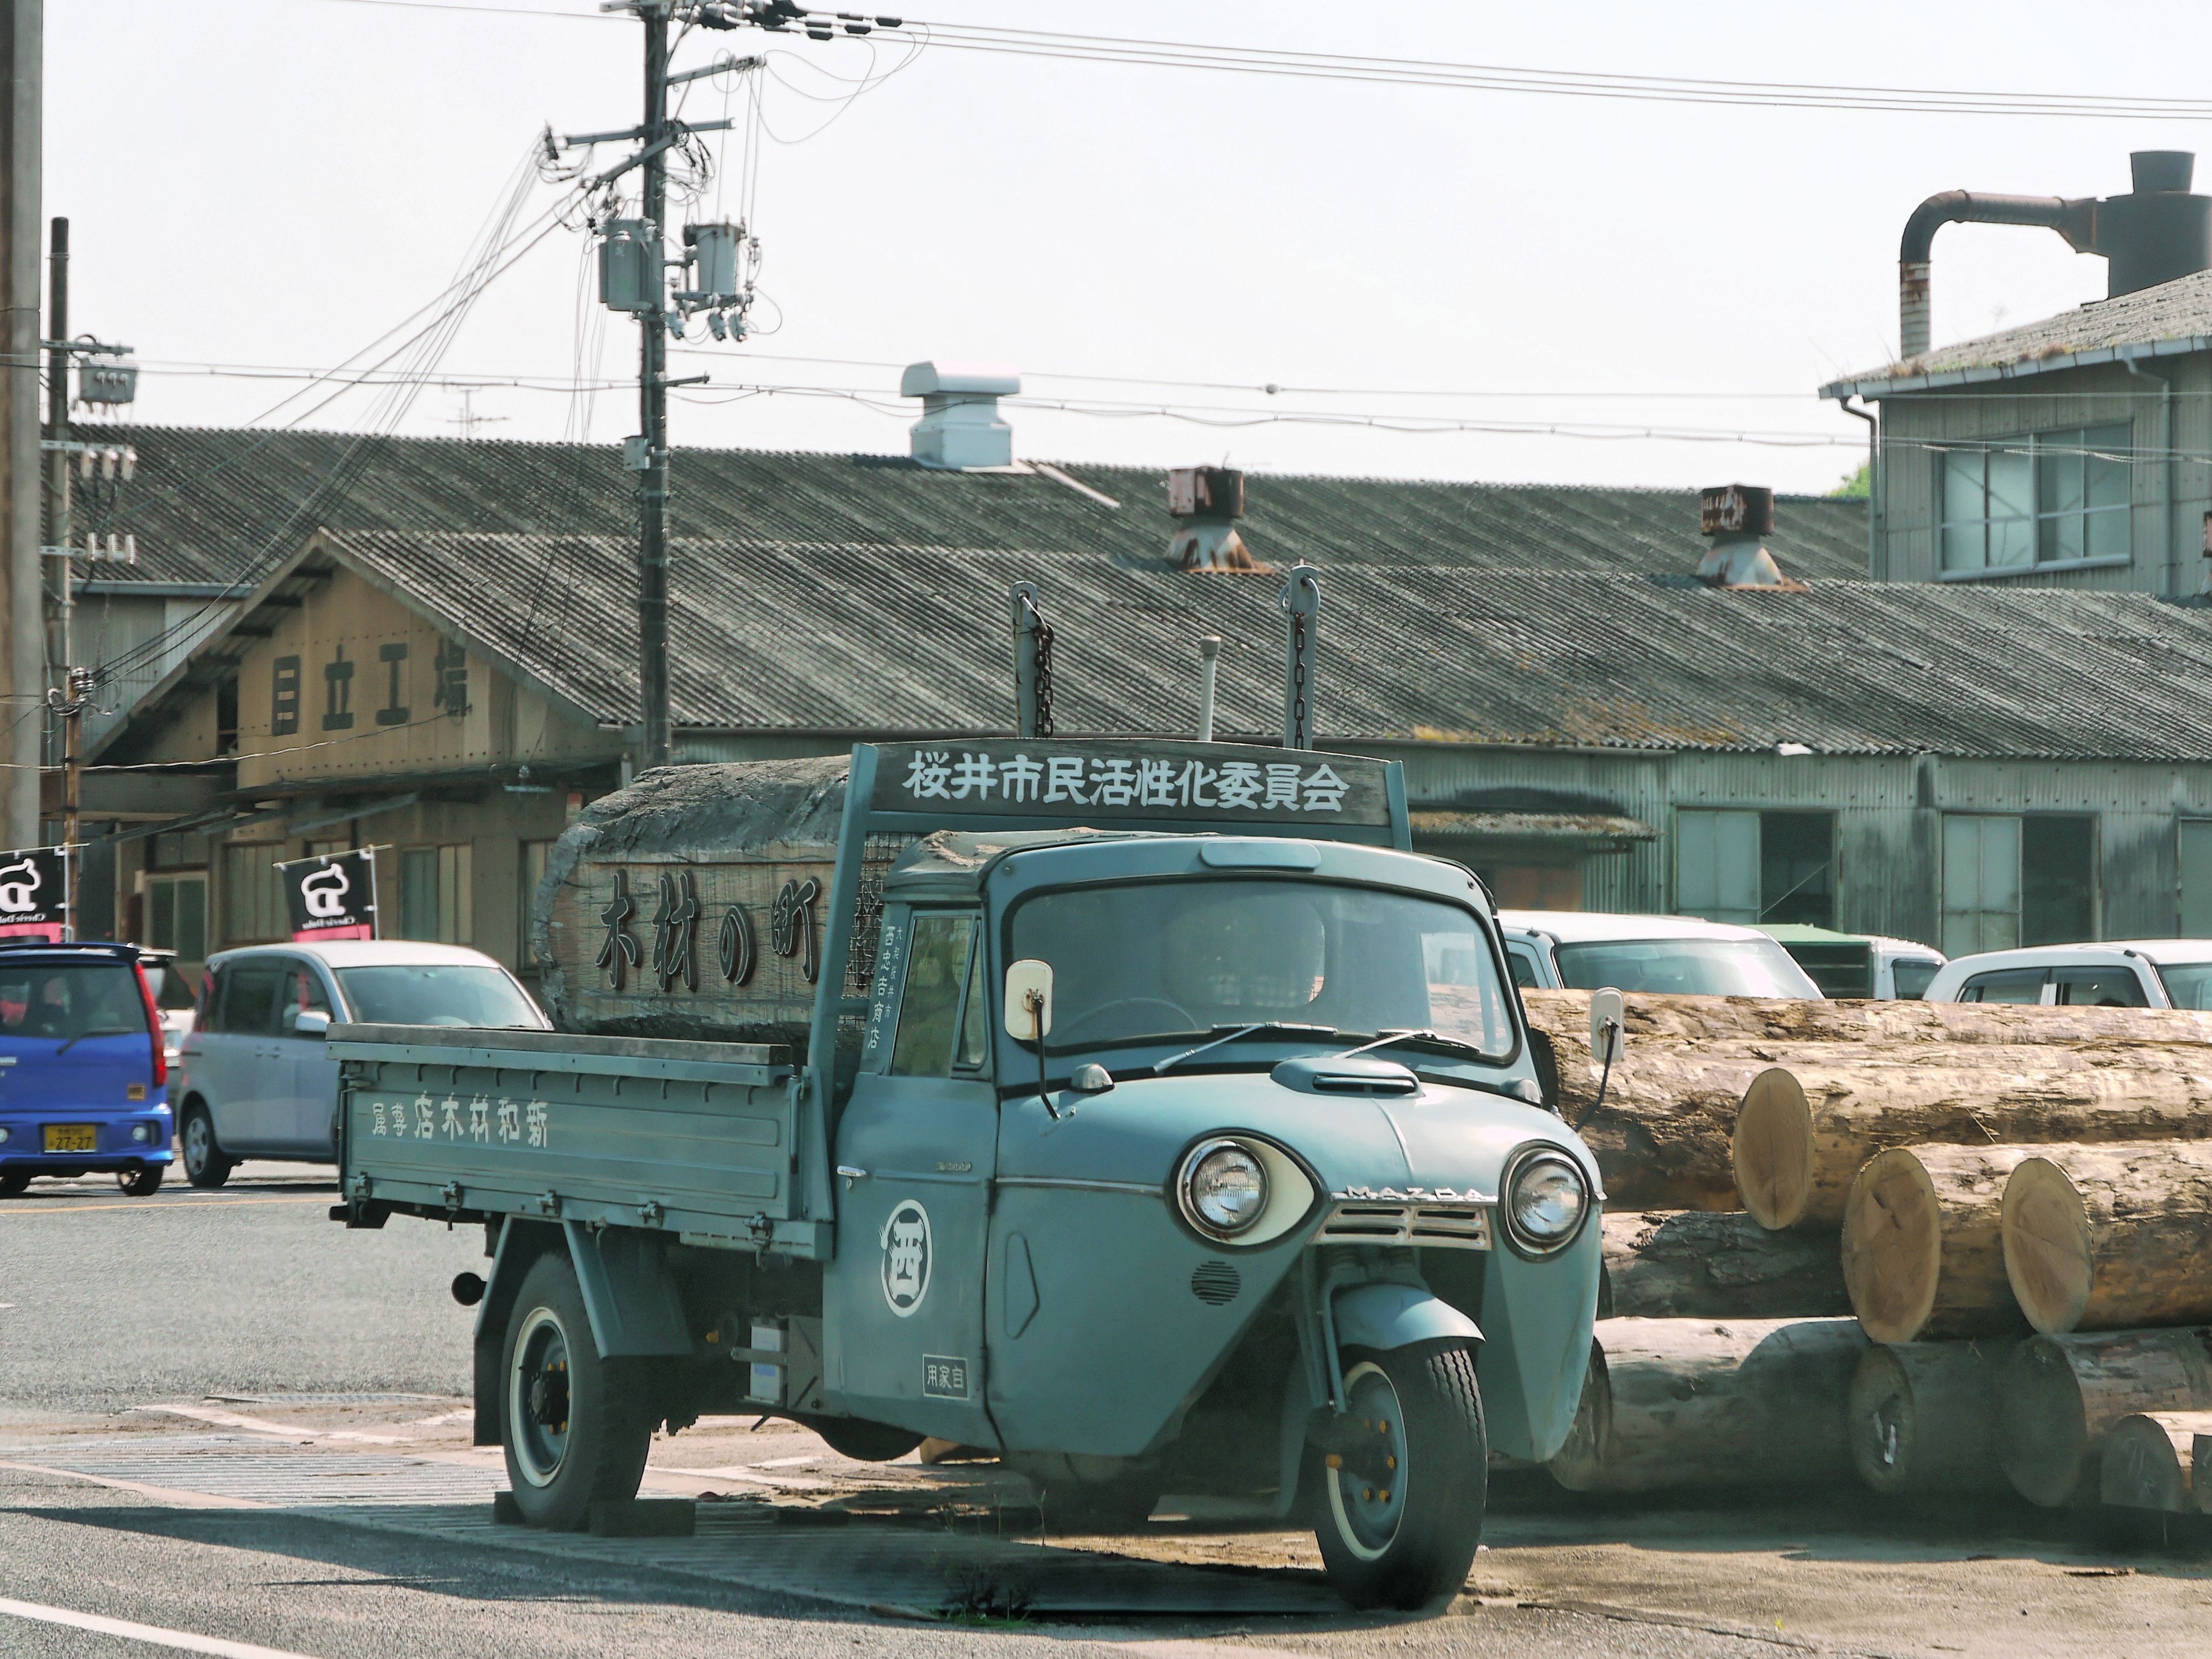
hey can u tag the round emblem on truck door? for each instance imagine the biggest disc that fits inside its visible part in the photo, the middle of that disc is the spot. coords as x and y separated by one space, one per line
906 1257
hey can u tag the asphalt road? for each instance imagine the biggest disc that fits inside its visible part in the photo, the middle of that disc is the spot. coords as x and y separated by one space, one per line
108 1303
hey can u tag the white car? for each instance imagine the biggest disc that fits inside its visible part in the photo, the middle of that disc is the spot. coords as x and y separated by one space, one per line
257 1082
1588 949
2144 973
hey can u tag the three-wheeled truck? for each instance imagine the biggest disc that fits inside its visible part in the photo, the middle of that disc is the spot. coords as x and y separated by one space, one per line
1145 1112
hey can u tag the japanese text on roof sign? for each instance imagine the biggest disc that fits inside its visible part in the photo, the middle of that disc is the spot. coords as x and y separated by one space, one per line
945 774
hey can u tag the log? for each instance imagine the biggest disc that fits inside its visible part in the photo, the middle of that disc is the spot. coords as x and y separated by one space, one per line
1691 1402
1683 1264
2156 1460
2109 1237
1681 1019
1923 1253
2060 1396
1922 1418
1803 1133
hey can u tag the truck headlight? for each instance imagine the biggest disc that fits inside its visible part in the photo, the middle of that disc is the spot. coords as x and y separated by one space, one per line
1223 1187
1546 1198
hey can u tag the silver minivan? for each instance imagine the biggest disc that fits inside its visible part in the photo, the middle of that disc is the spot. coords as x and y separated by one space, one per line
257 1081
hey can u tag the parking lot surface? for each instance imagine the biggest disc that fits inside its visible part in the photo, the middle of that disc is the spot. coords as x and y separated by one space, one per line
225 1421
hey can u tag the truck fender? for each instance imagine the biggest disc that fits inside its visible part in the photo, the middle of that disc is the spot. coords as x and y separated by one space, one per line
629 1296
1390 1315
521 1244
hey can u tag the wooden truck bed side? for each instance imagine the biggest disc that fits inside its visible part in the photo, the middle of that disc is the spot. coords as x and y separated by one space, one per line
694 1140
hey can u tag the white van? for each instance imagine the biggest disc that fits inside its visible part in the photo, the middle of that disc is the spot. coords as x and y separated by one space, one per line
257 1083
1588 949
2144 973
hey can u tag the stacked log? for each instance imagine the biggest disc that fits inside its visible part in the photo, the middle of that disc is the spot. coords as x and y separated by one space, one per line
1692 1402
1922 1418
2061 1396
1676 1022
1804 1131
1676 1264
1922 1251
2103 1237
2158 1461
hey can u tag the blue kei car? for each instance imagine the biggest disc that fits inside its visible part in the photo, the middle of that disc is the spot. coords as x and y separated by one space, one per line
84 1078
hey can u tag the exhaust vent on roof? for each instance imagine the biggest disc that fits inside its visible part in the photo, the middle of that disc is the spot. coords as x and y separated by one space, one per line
960 427
1737 519
1205 502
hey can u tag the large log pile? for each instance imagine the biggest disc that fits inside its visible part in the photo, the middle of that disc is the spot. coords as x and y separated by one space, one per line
1963 1176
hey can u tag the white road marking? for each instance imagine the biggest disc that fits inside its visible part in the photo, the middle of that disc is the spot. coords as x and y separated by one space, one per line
183 1641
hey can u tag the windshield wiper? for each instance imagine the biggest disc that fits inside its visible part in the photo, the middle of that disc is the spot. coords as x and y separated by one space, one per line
103 1030
1230 1034
1435 1039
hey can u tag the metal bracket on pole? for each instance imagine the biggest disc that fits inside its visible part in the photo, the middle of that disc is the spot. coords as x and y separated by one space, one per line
1032 662
1300 600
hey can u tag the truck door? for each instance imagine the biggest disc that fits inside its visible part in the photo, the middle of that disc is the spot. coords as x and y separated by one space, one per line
917 1150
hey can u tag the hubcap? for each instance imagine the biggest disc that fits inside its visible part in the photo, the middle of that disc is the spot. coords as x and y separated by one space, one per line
1367 1481
196 1144
537 1398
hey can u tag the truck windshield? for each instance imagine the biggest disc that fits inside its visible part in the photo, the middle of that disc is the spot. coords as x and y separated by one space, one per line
65 999
1175 959
1691 966
437 994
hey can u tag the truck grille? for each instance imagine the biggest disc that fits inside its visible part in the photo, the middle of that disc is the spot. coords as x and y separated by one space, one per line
1431 1227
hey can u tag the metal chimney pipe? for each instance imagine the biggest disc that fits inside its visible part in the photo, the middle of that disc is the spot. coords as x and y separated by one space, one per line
1209 654
2075 219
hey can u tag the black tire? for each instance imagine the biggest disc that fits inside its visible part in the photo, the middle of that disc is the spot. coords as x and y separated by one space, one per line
142 1182
205 1166
576 1427
1407 1543
15 1184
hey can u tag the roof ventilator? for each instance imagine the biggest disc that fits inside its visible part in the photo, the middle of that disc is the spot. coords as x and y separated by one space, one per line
1736 520
960 429
1205 502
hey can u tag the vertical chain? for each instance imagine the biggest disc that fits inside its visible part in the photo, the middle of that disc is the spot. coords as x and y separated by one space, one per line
1299 677
1044 728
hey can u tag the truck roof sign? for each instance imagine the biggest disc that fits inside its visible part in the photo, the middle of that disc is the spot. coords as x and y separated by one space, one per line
1139 783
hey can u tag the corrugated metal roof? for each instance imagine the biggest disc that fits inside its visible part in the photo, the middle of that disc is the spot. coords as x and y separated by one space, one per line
211 504
833 639
2175 314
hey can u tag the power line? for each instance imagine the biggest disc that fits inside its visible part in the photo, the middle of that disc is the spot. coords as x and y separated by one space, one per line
1456 76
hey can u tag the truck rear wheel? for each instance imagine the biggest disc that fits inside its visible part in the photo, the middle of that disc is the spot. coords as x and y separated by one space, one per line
577 1427
1398 1509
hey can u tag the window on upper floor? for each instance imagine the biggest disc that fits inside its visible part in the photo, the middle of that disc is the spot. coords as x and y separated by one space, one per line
2047 498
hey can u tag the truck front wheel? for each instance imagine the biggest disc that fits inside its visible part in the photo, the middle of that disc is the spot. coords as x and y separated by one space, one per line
1398 1500
577 1427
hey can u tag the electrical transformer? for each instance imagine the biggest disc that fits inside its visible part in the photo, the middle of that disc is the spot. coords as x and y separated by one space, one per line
629 266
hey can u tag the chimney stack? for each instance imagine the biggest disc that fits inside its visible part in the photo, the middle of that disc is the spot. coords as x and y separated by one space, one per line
960 429
1736 520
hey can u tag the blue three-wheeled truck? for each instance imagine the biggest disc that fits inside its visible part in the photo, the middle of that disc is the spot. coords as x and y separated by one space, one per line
1145 1112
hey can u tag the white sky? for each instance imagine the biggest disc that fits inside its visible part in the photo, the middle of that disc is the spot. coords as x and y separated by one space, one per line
280 181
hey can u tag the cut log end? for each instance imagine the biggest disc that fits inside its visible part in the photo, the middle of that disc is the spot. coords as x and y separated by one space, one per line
1892 1246
2042 1430
2146 1463
1772 1149
2047 1251
1921 1418
1882 1422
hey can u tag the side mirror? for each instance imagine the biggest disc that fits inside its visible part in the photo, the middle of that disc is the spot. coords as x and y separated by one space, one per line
311 1023
1608 1026
1028 999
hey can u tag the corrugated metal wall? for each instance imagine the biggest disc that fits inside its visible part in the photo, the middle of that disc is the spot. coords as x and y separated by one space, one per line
1916 426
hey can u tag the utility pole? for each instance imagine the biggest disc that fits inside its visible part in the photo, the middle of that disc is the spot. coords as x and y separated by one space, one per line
71 706
652 397
22 634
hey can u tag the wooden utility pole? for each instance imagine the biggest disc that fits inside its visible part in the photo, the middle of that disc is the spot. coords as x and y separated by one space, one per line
22 637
